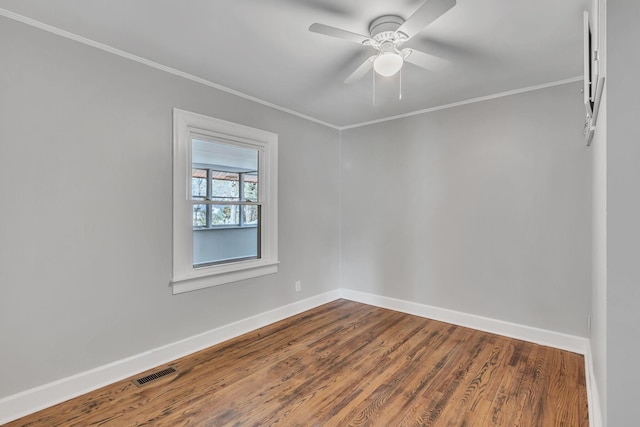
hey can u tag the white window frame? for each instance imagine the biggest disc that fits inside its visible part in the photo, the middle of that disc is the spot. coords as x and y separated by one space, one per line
188 125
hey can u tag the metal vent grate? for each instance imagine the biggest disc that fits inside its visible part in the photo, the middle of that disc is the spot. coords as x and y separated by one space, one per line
155 376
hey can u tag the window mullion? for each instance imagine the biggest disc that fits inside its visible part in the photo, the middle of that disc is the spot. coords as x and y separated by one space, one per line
241 194
208 198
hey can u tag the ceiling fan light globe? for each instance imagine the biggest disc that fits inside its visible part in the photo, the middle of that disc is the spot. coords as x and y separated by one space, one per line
387 64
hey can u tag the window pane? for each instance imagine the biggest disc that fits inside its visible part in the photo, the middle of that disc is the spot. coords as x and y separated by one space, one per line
222 245
225 215
199 215
251 187
225 186
250 215
198 183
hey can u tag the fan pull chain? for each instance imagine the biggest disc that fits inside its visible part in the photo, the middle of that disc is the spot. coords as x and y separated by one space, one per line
374 88
400 88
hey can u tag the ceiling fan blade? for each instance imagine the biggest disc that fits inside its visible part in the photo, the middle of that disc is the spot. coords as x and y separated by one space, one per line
425 15
337 32
424 60
360 72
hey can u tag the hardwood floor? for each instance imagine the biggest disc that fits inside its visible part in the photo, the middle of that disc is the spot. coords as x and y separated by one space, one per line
346 363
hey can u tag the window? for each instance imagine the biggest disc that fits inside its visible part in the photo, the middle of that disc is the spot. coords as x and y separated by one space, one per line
224 202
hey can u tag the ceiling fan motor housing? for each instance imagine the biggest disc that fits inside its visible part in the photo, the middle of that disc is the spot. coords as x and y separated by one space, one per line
384 28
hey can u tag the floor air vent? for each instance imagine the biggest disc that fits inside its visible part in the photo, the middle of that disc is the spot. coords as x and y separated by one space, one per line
155 376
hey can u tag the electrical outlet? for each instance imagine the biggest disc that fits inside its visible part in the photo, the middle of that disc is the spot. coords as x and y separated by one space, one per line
298 286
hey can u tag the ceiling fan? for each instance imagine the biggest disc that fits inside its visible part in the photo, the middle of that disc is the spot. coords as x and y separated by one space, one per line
387 34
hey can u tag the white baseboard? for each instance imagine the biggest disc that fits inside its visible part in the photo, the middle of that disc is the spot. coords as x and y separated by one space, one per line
35 399
593 396
512 330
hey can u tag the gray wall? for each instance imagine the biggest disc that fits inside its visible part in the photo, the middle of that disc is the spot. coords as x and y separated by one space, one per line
598 334
483 208
85 224
623 212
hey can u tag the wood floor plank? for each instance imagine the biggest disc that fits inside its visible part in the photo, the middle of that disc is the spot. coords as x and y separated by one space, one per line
483 375
460 385
489 409
429 362
390 377
306 373
346 376
342 364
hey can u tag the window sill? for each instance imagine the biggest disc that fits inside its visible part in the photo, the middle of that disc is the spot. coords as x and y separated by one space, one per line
209 279
225 227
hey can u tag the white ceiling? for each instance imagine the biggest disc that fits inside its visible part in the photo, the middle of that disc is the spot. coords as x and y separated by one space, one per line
263 48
